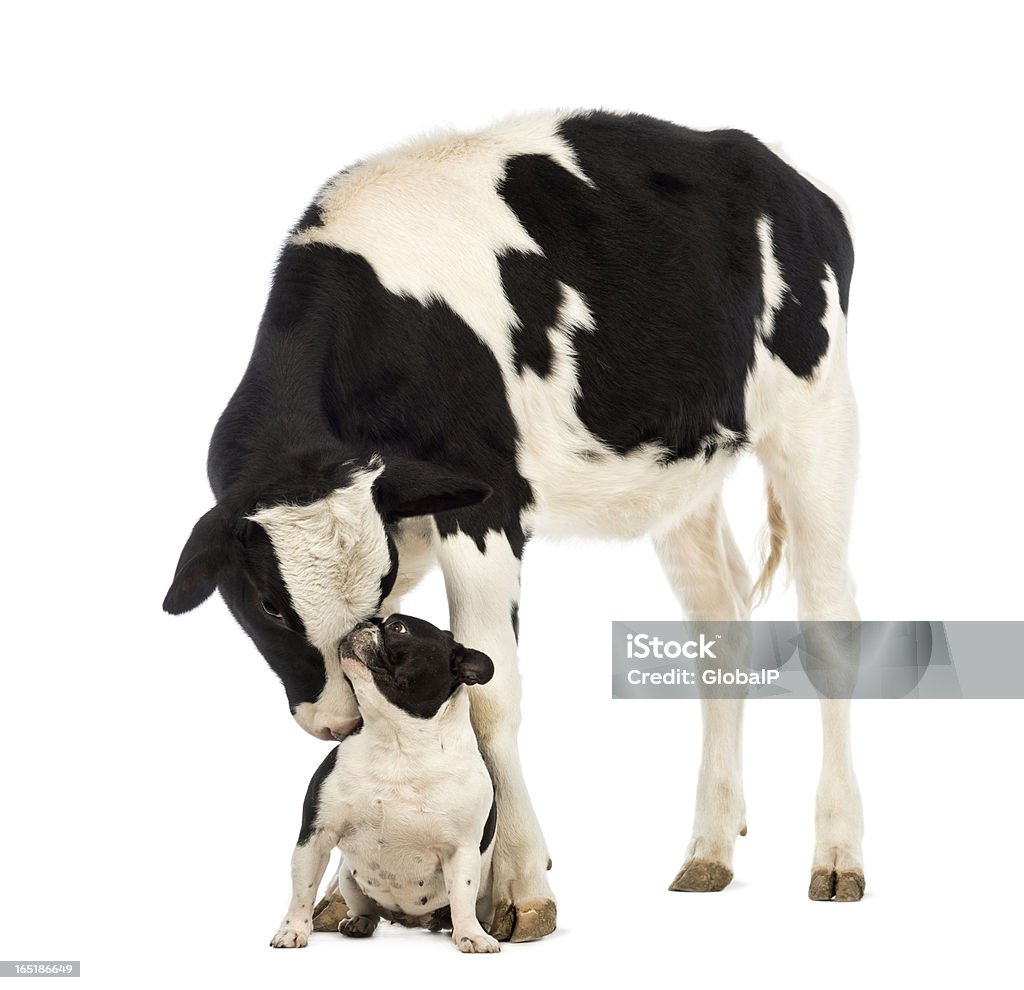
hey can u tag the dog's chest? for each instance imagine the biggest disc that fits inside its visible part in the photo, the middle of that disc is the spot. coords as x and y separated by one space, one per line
397 821
392 840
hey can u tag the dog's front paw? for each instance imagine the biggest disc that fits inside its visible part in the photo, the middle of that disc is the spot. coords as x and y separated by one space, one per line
361 926
291 937
475 942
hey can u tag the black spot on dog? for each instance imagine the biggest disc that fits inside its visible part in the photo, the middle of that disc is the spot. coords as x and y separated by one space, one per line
311 805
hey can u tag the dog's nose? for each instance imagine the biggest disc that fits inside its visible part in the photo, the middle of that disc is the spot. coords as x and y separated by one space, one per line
374 623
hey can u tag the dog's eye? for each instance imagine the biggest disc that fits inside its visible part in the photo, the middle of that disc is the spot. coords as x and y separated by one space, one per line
270 610
397 627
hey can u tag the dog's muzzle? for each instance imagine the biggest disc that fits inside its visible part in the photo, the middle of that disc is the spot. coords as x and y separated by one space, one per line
362 643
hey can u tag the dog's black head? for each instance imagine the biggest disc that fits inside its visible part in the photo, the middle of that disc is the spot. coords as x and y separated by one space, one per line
411 663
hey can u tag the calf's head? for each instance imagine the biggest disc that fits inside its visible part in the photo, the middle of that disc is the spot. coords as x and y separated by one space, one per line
301 564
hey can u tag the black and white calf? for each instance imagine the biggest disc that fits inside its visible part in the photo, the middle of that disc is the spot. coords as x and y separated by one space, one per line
408 799
566 323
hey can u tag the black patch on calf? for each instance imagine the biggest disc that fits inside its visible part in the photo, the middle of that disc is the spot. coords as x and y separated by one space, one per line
666 184
251 577
515 620
311 805
387 582
536 298
313 217
810 218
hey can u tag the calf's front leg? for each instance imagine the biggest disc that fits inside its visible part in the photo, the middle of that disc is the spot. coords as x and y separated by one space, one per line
483 599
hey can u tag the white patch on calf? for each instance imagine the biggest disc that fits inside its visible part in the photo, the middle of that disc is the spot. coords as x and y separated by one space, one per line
773 285
332 554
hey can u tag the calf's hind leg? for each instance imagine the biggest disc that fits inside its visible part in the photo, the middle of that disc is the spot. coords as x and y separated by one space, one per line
708 576
810 461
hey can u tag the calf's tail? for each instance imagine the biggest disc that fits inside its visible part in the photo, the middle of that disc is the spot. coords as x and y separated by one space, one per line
774 550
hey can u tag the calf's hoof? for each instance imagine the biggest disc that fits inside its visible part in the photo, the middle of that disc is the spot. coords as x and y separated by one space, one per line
525 921
329 912
836 885
702 875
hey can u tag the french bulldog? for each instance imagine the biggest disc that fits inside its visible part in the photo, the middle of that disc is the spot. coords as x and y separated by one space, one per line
407 798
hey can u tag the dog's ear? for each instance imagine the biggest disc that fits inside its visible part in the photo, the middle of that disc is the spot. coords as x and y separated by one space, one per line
204 555
472 666
419 488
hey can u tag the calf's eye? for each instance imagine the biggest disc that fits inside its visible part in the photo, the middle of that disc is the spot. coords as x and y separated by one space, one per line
270 610
397 627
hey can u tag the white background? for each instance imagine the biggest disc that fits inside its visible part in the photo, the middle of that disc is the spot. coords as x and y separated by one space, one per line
151 776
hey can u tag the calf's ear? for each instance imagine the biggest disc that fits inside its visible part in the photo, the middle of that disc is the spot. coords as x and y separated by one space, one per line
419 488
473 666
200 564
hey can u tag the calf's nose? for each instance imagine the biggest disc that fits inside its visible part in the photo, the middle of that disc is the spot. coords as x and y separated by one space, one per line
338 729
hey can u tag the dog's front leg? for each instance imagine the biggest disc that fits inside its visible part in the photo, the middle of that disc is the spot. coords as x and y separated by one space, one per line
309 860
462 880
483 598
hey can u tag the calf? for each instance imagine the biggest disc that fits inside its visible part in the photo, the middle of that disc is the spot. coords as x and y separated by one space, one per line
565 323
